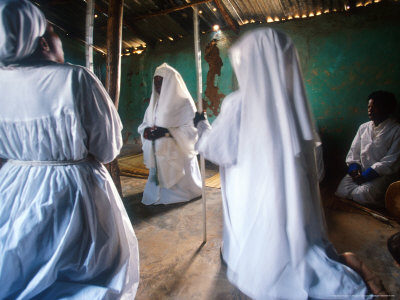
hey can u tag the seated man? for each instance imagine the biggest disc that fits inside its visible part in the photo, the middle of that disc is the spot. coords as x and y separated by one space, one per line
373 158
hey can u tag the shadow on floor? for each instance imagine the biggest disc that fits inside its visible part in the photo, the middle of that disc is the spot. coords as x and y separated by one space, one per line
174 264
138 212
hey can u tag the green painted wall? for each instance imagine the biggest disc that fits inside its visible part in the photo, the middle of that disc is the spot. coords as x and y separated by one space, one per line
137 73
74 53
344 56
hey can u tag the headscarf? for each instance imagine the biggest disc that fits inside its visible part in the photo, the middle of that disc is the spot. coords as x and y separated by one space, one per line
21 26
273 206
174 106
276 121
266 65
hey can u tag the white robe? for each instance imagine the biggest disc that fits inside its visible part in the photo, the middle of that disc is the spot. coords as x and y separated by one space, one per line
64 232
376 147
274 239
174 170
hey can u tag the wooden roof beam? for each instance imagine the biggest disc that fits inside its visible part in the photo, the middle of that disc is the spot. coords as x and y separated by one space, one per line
136 32
113 77
169 10
228 19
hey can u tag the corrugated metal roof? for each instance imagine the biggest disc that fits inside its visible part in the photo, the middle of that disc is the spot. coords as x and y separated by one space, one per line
148 22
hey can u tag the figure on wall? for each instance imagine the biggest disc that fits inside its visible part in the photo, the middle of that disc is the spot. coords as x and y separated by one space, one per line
213 58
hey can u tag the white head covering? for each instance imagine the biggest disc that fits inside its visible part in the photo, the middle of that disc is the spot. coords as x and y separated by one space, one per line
266 65
274 232
21 26
277 136
174 106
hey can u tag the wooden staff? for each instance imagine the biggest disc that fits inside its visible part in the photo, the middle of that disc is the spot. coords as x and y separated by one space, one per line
197 56
377 215
113 77
89 34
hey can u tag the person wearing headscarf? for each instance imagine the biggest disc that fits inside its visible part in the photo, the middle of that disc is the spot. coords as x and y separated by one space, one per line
169 138
374 156
274 235
64 232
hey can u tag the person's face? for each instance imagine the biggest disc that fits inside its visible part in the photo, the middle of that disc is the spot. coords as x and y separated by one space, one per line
158 83
373 111
56 52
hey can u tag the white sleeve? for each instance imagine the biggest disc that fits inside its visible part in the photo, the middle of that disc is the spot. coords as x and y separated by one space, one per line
219 144
203 127
100 118
186 138
354 155
147 147
390 163
144 124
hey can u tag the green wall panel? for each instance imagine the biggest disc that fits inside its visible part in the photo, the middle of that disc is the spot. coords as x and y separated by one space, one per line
344 57
74 53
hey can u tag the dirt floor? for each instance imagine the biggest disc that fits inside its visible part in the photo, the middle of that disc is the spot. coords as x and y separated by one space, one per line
351 229
176 264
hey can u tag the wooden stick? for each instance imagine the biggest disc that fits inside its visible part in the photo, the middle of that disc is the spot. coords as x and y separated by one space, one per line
231 23
369 211
113 78
89 34
114 45
169 10
197 55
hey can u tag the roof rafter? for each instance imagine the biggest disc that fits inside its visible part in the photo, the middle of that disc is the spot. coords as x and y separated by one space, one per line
232 24
129 26
169 10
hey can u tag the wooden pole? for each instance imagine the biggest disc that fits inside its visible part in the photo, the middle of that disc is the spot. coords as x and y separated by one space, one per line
113 77
197 57
170 10
231 23
114 45
89 34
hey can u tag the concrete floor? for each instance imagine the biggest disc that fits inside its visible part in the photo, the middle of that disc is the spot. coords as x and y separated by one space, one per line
175 264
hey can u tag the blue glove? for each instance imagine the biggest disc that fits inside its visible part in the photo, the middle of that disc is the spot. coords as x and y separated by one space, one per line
199 117
369 174
153 133
354 167
159 132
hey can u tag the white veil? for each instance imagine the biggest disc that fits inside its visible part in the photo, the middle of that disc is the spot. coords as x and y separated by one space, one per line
21 26
275 242
176 107
173 109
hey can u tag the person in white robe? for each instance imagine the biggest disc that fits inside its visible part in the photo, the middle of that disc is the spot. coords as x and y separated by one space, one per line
168 138
64 232
274 236
374 156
